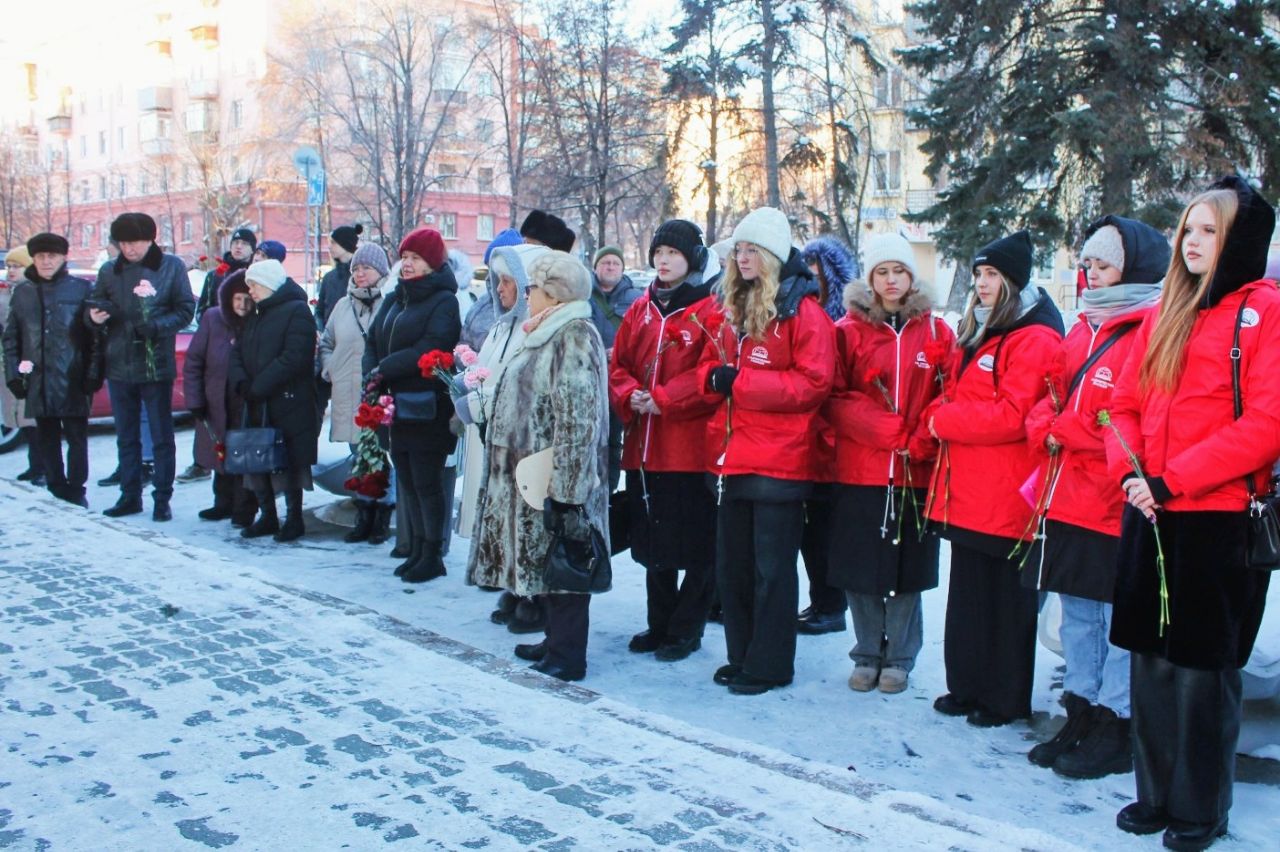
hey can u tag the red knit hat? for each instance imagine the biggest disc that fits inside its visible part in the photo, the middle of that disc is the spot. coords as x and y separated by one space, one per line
427 244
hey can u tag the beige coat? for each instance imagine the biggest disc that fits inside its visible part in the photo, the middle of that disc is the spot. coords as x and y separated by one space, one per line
341 350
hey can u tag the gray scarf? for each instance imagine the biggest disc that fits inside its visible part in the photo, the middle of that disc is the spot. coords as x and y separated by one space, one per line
1106 303
1028 298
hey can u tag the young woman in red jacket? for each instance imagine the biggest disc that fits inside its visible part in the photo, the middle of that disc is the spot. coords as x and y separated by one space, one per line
653 388
1078 503
770 368
1008 338
1175 406
892 352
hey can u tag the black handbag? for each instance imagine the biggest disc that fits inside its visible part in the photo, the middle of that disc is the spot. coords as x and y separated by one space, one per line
255 449
415 406
1262 551
619 522
578 559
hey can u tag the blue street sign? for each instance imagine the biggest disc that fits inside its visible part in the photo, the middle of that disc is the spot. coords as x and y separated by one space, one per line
315 190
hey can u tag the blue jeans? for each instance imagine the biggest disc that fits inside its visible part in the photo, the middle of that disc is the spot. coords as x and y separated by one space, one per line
1096 670
127 402
889 630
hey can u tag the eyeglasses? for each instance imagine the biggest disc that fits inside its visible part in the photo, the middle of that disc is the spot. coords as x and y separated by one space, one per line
528 288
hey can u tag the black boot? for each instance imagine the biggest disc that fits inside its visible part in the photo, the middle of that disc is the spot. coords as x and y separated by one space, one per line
244 505
293 527
268 522
429 564
415 553
364 524
161 510
506 606
223 499
381 529
1105 750
1079 719
112 479
126 505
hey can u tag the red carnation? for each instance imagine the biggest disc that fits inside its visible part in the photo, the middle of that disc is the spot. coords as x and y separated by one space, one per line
935 352
223 268
871 376
351 484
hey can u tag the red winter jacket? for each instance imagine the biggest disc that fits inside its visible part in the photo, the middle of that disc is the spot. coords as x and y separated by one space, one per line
868 434
1189 437
660 354
986 459
782 383
1084 495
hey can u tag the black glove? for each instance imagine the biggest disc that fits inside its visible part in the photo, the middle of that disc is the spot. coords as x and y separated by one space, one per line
18 388
566 519
721 379
146 330
200 412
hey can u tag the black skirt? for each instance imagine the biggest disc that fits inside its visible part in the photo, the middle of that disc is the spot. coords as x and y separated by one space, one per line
676 530
1215 602
865 562
1076 561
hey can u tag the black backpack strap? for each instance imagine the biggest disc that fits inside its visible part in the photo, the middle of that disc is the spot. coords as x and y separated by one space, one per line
1236 398
1097 353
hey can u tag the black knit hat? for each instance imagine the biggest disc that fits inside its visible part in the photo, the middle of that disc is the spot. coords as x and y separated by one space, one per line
548 229
246 235
133 227
1011 255
683 236
347 236
52 243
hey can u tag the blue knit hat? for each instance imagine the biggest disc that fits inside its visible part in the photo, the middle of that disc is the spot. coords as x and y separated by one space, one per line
509 237
273 249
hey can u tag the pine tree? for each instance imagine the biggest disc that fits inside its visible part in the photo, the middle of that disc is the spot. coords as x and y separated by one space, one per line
1046 113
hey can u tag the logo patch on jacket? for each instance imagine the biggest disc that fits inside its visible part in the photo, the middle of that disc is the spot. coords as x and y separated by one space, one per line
759 356
1249 318
1102 378
987 362
686 336
921 361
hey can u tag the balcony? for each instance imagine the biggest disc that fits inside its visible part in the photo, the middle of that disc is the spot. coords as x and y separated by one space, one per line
205 35
155 98
919 200
161 146
161 47
60 122
203 90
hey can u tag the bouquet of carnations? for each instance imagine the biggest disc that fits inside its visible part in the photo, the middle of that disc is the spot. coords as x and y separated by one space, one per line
371 471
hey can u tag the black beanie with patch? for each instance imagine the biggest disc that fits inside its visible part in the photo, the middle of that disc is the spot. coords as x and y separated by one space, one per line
1011 255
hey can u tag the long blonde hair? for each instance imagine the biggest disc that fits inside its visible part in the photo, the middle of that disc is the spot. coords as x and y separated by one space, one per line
1003 313
1183 294
750 304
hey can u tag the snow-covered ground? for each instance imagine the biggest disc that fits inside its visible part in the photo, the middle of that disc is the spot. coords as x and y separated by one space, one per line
858 742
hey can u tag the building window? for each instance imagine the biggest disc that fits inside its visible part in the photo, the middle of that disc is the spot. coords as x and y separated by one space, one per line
484 83
237 114
484 180
187 231
484 130
84 190
887 90
102 141
124 186
86 235
102 187
84 145
888 171
120 139
449 226
448 177
144 184
166 230
484 227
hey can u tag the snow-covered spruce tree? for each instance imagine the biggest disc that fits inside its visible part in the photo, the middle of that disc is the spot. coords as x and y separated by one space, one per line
1044 113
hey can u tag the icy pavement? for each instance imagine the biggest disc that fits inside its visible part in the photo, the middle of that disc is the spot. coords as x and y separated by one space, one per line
162 682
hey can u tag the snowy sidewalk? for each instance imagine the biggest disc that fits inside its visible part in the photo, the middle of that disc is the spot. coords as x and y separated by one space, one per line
156 694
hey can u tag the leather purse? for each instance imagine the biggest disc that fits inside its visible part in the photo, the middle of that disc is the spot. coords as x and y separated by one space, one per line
255 450
1262 551
415 406
578 559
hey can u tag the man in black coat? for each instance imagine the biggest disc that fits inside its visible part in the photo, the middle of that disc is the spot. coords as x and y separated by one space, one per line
238 256
143 299
48 353
333 286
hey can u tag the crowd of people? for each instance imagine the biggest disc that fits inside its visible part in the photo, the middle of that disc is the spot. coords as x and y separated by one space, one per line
755 406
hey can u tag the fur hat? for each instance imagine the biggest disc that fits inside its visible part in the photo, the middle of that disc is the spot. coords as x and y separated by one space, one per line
835 261
1011 255
1105 244
560 276
886 248
683 236
768 228
347 236
373 256
605 251
52 243
548 229
245 235
427 244
273 249
133 228
268 273
18 254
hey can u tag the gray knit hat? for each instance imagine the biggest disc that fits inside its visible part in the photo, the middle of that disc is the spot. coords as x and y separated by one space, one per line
1105 244
372 255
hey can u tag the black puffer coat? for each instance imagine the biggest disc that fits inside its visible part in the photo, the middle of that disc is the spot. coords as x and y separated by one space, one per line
420 316
128 331
45 327
272 363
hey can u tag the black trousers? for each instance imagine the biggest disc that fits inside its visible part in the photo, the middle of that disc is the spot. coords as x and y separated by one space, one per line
1186 723
422 490
64 482
989 644
34 464
568 619
757 544
815 548
678 607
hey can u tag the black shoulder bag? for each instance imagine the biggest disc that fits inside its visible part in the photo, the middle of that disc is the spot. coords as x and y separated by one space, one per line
255 450
578 560
1262 551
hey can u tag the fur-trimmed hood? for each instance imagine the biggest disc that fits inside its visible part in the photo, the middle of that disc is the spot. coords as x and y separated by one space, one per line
858 299
839 269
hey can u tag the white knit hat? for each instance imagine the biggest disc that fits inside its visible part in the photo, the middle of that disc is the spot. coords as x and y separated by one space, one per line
768 228
886 248
1105 244
268 273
